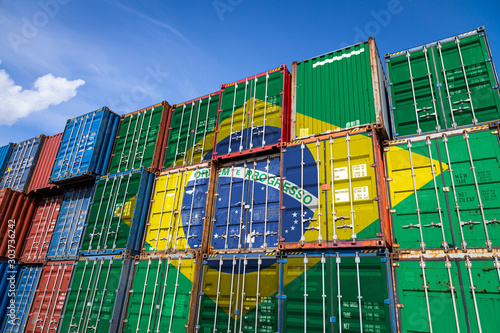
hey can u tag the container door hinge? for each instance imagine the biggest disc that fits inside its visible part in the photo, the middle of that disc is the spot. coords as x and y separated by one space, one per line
387 301
495 87
283 261
488 60
333 319
383 259
400 306
201 293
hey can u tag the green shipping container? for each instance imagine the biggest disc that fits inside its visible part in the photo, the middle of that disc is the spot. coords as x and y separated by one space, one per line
444 189
447 294
140 139
443 85
159 298
98 289
336 292
338 90
191 131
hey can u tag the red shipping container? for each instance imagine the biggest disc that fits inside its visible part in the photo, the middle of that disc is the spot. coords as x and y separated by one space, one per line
40 181
50 297
16 214
41 230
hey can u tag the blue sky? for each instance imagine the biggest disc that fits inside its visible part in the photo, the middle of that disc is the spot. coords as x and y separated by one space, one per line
63 58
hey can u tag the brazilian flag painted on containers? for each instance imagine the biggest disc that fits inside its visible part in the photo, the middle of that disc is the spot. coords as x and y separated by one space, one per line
118 213
254 113
178 210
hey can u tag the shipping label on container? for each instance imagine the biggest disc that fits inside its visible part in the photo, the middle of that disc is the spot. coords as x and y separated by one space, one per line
19 168
246 214
159 298
50 297
443 85
239 293
95 297
24 293
42 227
191 132
335 293
338 90
68 230
118 213
459 295
86 145
333 189
444 190
136 139
253 113
178 210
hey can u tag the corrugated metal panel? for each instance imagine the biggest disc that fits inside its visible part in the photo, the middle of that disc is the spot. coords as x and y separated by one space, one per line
9 275
25 290
137 139
40 180
336 292
338 90
443 85
42 226
239 293
5 152
160 295
254 114
447 294
246 213
68 231
16 214
444 189
95 299
50 297
333 192
20 166
178 210
118 213
191 131
85 147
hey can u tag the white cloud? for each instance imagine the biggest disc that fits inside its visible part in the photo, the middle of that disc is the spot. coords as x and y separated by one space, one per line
17 103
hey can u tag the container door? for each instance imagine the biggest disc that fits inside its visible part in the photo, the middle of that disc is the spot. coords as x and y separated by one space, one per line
239 294
473 178
247 205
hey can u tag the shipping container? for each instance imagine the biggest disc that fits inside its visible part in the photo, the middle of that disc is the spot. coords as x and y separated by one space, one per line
40 181
347 291
68 230
254 114
239 293
85 148
444 189
339 90
50 297
20 166
140 139
98 290
178 209
42 226
334 193
160 295
9 275
25 290
443 85
247 205
5 152
191 131
16 214
447 293
118 213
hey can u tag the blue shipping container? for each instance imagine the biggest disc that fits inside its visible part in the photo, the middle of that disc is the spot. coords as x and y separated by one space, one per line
85 147
21 164
4 157
247 205
118 213
68 231
9 274
25 291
